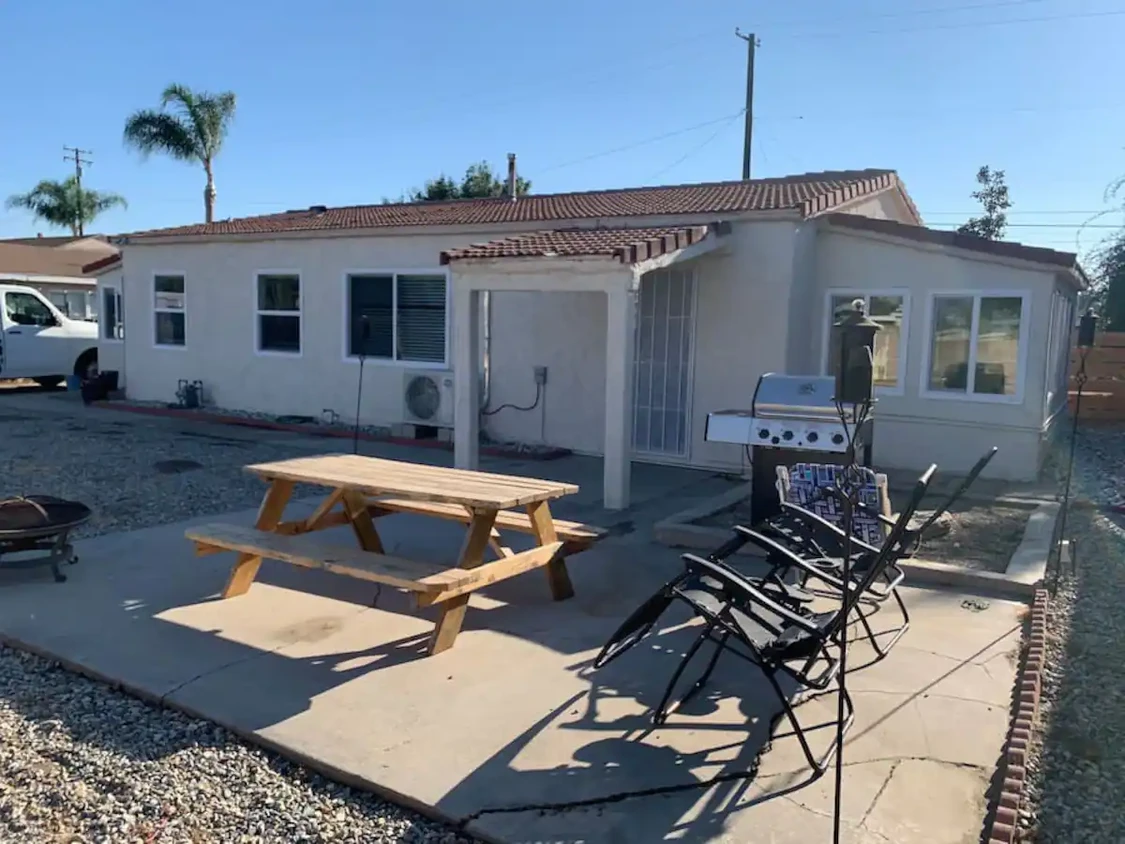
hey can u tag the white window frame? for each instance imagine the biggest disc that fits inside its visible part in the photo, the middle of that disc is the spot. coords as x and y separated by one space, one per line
155 310
1021 355
115 290
299 313
904 331
347 357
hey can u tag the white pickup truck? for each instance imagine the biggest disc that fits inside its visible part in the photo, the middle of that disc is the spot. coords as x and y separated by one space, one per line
39 343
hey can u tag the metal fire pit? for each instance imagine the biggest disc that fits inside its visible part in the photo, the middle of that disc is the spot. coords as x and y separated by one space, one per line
35 531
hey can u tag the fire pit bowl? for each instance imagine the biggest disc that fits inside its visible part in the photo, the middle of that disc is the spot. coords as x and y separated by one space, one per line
35 531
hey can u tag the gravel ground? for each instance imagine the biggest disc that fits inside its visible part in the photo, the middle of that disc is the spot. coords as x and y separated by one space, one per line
1077 770
133 474
81 762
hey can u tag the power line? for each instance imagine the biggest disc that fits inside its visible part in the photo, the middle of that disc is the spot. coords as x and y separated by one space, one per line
964 25
1048 225
640 143
696 149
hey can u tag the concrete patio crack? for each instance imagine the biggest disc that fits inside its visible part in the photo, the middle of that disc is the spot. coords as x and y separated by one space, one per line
163 699
879 793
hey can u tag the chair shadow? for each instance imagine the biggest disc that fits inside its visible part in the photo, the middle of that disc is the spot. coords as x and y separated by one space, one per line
626 779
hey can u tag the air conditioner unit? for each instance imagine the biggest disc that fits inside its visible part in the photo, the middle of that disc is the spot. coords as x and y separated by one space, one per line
427 398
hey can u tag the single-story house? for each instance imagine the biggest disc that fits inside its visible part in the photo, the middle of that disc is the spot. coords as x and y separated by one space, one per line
609 322
55 267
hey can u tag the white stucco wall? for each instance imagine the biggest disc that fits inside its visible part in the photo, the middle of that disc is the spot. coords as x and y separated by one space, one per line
887 205
913 429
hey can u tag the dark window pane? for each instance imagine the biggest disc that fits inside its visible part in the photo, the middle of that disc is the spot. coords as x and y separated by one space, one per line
108 317
169 292
279 293
998 342
950 342
279 333
421 318
170 329
371 316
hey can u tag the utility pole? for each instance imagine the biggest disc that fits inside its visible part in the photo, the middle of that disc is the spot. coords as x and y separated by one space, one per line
75 154
751 42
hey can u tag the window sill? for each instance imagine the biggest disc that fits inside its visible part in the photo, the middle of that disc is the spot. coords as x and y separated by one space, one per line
179 347
277 353
436 366
975 398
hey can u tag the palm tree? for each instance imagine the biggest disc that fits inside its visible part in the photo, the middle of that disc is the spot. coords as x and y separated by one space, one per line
66 204
193 130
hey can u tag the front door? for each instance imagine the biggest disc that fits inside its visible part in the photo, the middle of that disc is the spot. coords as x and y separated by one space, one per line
662 363
28 329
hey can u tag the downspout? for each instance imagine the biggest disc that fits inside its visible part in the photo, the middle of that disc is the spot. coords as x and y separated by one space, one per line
486 306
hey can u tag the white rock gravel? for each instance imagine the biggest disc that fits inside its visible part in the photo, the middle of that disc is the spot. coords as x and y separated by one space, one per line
82 762
111 465
1077 768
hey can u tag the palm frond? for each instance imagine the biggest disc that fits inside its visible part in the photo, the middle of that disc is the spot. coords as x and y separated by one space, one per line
64 204
97 202
153 131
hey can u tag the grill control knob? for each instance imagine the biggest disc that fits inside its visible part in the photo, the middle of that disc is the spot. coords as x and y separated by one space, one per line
837 438
813 436
775 440
788 435
763 433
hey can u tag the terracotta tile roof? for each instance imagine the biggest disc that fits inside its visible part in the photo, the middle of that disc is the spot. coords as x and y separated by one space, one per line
1001 248
102 264
808 194
627 245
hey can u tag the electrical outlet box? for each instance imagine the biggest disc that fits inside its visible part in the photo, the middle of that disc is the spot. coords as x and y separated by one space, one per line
540 375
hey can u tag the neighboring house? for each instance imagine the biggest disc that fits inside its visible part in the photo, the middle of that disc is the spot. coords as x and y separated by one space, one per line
54 266
649 307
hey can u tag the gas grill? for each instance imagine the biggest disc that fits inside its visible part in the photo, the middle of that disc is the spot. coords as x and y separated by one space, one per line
792 419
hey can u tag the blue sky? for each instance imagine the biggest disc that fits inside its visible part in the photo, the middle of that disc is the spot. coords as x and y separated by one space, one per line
349 101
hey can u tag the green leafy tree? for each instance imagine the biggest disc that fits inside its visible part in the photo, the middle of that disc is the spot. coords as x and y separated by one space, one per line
1107 294
478 182
66 205
190 126
993 197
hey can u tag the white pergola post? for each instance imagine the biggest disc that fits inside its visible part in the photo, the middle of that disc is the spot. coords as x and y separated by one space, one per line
466 390
621 314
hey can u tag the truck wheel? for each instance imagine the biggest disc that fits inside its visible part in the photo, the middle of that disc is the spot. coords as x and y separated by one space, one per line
48 381
86 367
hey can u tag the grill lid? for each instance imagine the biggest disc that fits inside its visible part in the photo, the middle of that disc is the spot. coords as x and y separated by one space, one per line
795 397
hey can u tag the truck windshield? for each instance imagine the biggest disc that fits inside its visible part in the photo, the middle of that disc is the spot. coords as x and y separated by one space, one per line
25 309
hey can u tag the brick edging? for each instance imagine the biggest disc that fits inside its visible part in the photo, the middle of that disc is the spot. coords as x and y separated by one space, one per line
1013 760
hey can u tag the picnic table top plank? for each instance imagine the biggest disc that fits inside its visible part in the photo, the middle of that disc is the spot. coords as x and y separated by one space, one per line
376 476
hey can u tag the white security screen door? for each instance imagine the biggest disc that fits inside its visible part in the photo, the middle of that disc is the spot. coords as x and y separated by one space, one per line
662 363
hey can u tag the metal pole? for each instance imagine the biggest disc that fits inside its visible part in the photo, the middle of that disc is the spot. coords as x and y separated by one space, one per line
751 42
76 156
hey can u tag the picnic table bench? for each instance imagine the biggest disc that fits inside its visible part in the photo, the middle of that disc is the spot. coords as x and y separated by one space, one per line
364 489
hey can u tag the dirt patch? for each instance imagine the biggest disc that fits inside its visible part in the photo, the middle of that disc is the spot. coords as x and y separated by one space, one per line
980 536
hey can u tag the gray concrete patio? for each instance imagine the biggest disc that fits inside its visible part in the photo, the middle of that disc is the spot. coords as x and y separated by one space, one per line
512 716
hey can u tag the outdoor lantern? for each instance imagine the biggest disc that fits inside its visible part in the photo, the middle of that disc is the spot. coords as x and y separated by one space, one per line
1087 327
855 333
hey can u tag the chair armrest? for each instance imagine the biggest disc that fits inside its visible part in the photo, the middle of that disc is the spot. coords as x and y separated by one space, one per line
807 566
875 514
735 583
820 522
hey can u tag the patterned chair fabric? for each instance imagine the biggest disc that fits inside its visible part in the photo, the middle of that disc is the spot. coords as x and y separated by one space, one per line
801 484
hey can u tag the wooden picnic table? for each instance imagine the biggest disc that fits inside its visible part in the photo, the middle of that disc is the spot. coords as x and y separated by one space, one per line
364 489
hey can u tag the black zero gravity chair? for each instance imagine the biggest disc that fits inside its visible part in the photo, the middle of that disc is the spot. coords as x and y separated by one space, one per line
820 543
746 618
